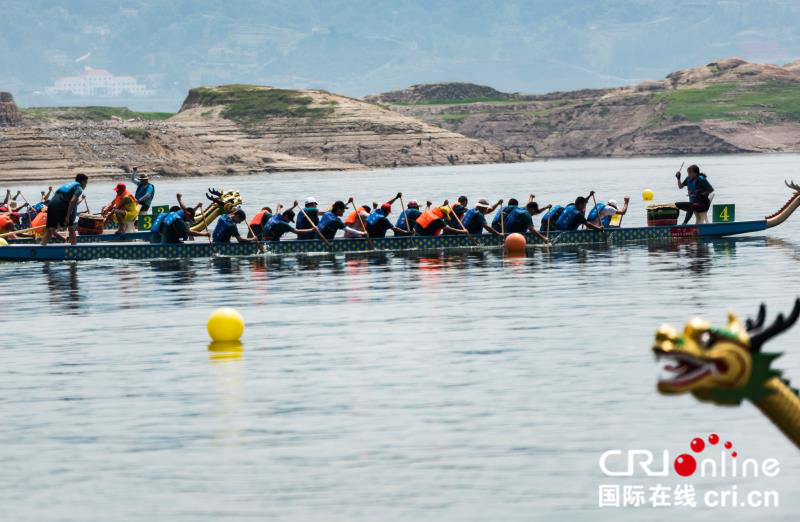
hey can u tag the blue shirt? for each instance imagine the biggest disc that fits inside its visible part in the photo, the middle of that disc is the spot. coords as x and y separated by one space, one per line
304 224
518 220
276 227
156 226
144 193
65 193
412 214
329 224
377 224
699 184
504 211
474 221
226 229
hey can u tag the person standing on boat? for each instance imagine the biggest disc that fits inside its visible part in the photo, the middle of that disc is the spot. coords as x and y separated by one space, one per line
409 216
280 224
378 221
602 213
572 217
331 221
433 221
699 192
520 220
474 219
145 191
228 227
313 214
63 208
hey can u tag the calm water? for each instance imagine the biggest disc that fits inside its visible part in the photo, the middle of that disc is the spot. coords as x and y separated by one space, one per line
386 387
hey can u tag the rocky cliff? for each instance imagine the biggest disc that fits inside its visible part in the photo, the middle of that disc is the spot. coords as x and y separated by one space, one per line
726 106
231 129
9 115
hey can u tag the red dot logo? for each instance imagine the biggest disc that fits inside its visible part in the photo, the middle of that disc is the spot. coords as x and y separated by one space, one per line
733 454
698 445
713 439
685 465
728 445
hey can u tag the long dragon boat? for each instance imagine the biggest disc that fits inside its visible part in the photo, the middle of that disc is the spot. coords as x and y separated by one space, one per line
199 248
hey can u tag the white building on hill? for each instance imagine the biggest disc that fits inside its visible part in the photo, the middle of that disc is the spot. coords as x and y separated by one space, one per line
98 83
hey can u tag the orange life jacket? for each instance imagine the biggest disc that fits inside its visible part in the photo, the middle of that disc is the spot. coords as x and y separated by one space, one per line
257 218
351 220
117 203
429 216
6 223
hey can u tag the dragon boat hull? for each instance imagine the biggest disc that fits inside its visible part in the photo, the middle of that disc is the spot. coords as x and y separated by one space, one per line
98 238
199 249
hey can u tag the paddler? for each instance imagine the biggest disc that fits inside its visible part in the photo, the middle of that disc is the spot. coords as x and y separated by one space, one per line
474 219
357 220
331 221
699 192
572 216
602 213
63 208
520 219
227 227
434 220
280 224
174 226
378 221
144 190
312 211
503 213
409 216
259 221
458 212
123 209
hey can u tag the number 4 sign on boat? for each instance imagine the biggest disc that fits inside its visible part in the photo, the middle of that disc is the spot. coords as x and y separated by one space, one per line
724 213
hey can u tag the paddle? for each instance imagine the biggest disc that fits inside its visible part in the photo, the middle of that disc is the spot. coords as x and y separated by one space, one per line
316 229
363 225
261 248
404 210
23 231
472 239
605 235
205 225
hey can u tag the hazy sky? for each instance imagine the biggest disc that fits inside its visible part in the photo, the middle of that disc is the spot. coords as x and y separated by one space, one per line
358 47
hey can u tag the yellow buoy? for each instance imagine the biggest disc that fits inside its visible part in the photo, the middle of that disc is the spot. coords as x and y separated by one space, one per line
647 195
225 324
3 242
515 243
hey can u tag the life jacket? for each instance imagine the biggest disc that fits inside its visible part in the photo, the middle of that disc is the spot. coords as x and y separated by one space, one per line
145 191
568 218
598 211
429 216
156 226
502 212
6 222
412 214
553 214
39 221
171 217
516 221
258 219
692 186
351 219
374 217
125 201
68 188
472 215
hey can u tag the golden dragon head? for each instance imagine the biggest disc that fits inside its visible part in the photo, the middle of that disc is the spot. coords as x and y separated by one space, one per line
721 365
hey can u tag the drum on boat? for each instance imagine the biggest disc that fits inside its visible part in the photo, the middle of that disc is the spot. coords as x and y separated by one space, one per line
662 215
90 224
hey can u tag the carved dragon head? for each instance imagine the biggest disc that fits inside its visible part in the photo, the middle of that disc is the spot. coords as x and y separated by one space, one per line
226 201
720 365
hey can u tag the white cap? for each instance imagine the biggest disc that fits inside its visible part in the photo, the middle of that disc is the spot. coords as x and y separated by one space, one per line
613 203
310 200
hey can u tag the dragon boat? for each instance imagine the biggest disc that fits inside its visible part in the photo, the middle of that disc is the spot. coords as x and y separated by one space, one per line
200 248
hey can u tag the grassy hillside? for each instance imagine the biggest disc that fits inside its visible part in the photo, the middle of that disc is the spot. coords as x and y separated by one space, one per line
762 103
92 113
250 103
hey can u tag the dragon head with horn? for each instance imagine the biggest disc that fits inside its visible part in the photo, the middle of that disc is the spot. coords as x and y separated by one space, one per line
222 202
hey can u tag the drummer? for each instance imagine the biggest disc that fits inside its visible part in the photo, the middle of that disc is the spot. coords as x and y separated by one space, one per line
63 208
124 209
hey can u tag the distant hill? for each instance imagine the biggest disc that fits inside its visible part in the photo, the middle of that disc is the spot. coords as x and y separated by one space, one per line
725 106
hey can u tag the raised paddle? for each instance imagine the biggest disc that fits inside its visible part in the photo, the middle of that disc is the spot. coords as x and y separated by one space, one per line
205 225
363 225
404 210
605 235
316 229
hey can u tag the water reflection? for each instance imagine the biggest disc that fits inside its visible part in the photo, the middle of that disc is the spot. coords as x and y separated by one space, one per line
62 281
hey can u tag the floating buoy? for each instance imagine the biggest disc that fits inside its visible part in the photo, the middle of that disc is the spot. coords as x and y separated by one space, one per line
647 195
3 242
225 324
515 243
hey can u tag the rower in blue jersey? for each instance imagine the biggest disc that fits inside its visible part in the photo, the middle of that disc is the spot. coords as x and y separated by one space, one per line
602 213
312 211
474 219
228 227
63 209
174 227
331 221
503 213
409 216
155 227
280 224
572 216
145 191
699 193
378 222
520 220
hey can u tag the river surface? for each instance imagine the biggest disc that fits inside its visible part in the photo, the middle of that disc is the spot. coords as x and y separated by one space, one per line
457 386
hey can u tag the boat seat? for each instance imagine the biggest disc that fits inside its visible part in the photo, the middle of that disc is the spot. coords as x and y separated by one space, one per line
702 217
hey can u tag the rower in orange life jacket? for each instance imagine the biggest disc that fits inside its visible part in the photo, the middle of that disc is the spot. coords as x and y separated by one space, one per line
434 220
352 221
258 223
124 208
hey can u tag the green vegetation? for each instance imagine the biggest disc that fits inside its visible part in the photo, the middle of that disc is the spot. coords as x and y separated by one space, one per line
136 134
92 113
250 104
456 117
464 101
775 101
